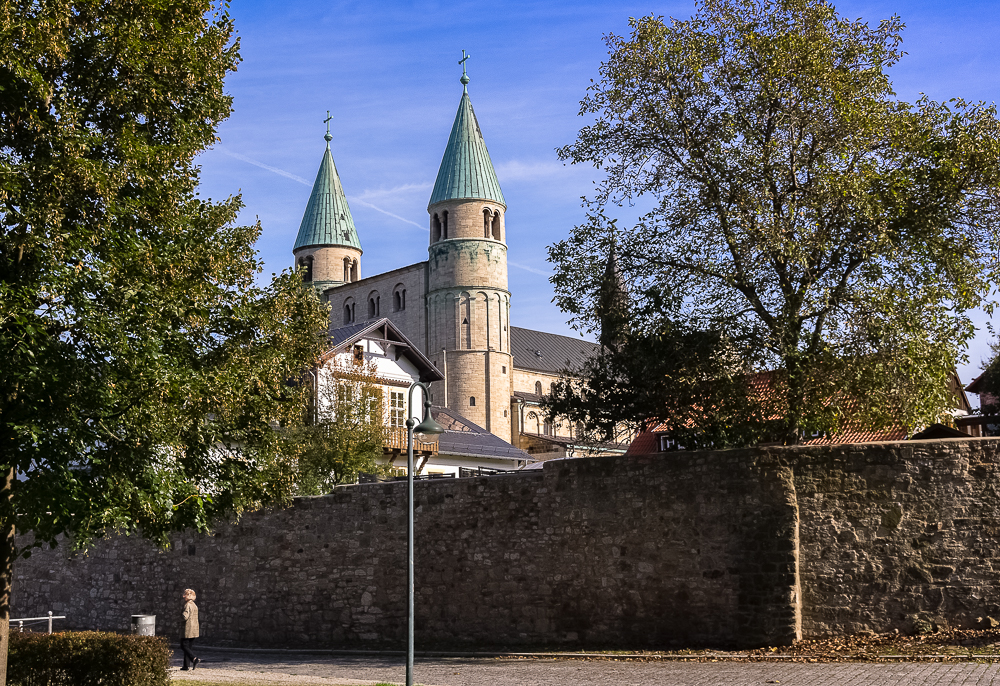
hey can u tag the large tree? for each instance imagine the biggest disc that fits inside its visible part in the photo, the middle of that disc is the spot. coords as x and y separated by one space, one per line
144 368
794 206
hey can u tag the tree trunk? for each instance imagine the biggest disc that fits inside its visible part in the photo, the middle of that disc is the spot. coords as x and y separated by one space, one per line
6 577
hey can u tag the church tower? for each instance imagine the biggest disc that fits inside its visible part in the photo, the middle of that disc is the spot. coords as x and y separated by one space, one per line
468 304
327 245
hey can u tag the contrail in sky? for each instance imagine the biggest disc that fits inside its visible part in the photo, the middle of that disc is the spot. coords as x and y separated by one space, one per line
379 209
529 269
299 179
248 160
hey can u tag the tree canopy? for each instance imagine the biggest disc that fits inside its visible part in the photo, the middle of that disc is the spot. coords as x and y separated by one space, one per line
348 429
799 210
146 362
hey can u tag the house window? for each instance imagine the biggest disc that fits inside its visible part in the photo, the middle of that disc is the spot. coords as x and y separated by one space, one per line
503 369
548 428
472 401
359 354
538 388
373 306
348 311
371 401
668 443
396 413
552 389
399 299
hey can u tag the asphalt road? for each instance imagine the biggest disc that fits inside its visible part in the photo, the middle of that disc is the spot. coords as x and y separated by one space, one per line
303 668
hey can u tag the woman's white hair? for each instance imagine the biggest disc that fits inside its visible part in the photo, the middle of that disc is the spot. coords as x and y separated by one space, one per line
190 592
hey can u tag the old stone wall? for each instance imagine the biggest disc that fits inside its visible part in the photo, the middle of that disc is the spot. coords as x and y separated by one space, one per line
904 536
730 548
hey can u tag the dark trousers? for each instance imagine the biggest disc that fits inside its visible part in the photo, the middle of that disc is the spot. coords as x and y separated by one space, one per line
186 645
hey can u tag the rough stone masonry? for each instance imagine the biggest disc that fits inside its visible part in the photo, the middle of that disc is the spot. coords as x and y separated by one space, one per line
727 549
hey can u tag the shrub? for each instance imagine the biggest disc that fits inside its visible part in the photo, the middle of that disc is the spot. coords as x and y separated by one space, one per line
87 658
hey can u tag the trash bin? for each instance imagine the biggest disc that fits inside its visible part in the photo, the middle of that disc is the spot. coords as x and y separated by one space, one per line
144 625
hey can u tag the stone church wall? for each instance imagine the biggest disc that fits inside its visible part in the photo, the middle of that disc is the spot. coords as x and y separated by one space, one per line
409 320
731 548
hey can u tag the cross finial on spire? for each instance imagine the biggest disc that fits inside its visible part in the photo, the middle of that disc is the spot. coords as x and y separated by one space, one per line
326 121
465 75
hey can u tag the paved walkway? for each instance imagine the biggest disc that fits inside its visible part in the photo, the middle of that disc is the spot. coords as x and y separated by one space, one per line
249 668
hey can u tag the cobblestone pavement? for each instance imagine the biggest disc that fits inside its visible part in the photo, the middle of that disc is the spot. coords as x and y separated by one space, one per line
257 667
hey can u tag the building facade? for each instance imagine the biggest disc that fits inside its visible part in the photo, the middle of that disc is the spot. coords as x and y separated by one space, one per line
455 305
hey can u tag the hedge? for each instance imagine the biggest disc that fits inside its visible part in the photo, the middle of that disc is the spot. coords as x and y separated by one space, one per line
87 658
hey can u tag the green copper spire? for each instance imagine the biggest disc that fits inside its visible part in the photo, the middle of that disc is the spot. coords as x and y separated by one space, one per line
466 171
327 220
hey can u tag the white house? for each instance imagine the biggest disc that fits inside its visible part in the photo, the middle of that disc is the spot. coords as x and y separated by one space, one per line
465 449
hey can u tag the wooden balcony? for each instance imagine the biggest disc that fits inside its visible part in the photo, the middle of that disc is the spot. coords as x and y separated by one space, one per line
396 443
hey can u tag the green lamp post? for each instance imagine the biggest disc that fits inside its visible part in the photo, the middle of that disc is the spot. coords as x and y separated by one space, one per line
428 427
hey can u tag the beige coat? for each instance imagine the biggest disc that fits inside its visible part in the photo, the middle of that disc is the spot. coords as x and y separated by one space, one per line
190 620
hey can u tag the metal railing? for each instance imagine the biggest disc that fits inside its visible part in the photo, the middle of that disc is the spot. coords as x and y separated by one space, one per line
49 618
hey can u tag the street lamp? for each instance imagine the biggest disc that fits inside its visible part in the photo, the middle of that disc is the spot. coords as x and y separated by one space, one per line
428 427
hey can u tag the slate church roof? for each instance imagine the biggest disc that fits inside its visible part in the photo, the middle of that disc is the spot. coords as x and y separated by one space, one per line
327 219
549 352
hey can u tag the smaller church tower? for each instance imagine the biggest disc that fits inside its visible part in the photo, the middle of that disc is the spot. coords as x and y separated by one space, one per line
327 247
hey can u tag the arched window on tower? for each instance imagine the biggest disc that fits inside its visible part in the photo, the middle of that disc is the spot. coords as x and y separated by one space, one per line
496 226
486 223
444 224
465 312
538 388
435 228
354 271
347 270
306 263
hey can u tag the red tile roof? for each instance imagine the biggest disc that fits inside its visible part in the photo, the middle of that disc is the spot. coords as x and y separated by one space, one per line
762 385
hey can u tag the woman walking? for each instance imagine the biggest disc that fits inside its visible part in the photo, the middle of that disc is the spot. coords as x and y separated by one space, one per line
190 629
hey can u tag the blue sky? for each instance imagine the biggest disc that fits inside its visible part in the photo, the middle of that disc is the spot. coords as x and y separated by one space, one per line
388 73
